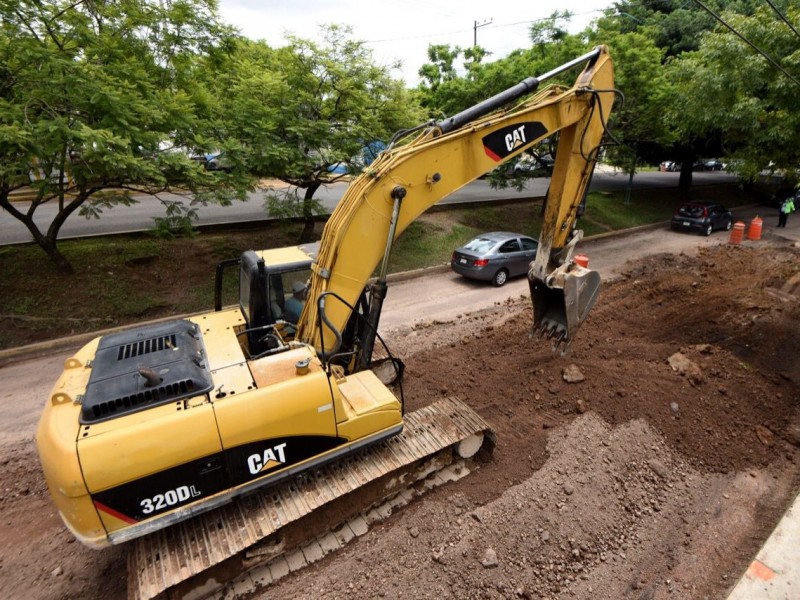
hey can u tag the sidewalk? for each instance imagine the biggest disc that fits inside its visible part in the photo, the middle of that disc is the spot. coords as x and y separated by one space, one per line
774 573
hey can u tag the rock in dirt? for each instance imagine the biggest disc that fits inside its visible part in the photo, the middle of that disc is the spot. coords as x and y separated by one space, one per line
658 468
489 560
572 374
794 435
765 436
682 365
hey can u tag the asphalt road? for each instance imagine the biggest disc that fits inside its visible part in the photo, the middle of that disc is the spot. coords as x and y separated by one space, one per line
139 217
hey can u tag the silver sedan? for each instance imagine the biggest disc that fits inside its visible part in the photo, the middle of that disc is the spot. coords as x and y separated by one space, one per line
495 256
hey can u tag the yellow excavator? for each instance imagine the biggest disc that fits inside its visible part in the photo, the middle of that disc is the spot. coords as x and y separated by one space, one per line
155 424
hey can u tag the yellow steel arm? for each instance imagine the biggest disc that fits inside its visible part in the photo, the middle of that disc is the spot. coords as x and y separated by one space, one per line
435 164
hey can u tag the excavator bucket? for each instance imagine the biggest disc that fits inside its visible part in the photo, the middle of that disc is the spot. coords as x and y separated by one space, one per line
561 305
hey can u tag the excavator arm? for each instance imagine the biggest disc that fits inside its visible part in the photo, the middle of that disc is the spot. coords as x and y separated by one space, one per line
440 158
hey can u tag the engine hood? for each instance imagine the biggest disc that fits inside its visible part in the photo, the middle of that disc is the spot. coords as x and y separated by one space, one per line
149 366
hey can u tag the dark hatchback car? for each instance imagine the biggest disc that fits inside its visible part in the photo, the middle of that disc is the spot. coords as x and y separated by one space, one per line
704 217
495 256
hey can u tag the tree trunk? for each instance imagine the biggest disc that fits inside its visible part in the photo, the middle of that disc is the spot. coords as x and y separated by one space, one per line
49 242
307 235
61 262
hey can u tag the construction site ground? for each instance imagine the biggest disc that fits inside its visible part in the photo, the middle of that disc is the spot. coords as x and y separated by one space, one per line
650 462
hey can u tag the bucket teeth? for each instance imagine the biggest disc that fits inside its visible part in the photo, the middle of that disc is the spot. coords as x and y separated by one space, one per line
552 331
562 302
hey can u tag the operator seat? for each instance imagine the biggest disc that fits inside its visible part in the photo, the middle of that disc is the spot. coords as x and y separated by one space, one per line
253 300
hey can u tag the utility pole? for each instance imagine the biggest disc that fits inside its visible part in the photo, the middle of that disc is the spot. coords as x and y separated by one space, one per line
475 30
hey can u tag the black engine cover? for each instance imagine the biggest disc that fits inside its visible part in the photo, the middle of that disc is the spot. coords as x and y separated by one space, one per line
145 367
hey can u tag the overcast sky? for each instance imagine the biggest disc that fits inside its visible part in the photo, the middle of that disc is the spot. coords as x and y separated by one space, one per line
403 29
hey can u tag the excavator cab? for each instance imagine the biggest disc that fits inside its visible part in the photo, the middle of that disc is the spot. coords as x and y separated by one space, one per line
272 288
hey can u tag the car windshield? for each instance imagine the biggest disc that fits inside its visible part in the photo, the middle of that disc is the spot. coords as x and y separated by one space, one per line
691 210
479 245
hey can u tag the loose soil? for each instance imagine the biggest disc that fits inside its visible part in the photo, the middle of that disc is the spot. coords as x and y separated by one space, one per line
656 471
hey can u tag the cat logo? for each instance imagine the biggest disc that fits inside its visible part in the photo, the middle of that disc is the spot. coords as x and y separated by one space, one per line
271 457
515 138
512 138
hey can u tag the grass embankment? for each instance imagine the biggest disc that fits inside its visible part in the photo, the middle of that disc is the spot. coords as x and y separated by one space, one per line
120 280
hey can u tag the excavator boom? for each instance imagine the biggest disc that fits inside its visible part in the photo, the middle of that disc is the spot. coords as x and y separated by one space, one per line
408 179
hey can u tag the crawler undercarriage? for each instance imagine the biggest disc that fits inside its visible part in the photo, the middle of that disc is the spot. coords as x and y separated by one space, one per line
198 557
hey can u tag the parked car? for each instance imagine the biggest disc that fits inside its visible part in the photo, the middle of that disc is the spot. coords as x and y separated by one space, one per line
494 256
218 162
707 164
704 217
669 165
532 165
200 159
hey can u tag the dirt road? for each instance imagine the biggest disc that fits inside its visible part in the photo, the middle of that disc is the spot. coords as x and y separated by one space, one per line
655 472
441 295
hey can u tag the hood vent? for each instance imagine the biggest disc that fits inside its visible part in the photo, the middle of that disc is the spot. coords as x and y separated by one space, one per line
135 349
143 399
145 367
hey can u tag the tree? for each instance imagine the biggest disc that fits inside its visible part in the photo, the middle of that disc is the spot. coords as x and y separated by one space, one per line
305 109
727 86
98 101
441 67
637 122
675 27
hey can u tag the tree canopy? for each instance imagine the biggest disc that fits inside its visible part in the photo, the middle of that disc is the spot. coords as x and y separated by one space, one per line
99 100
307 111
101 96
727 87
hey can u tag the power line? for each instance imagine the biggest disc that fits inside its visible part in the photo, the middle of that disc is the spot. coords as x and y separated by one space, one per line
459 31
748 42
783 18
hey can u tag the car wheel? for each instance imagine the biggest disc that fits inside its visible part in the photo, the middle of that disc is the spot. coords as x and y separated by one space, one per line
728 225
709 228
500 278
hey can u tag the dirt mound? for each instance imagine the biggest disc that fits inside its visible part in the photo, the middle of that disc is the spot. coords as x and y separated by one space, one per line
686 377
651 460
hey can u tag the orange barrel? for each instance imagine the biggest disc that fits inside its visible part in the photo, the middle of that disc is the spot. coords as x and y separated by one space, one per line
737 233
581 260
754 231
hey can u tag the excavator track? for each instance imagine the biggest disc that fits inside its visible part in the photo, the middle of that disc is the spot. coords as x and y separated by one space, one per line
200 556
